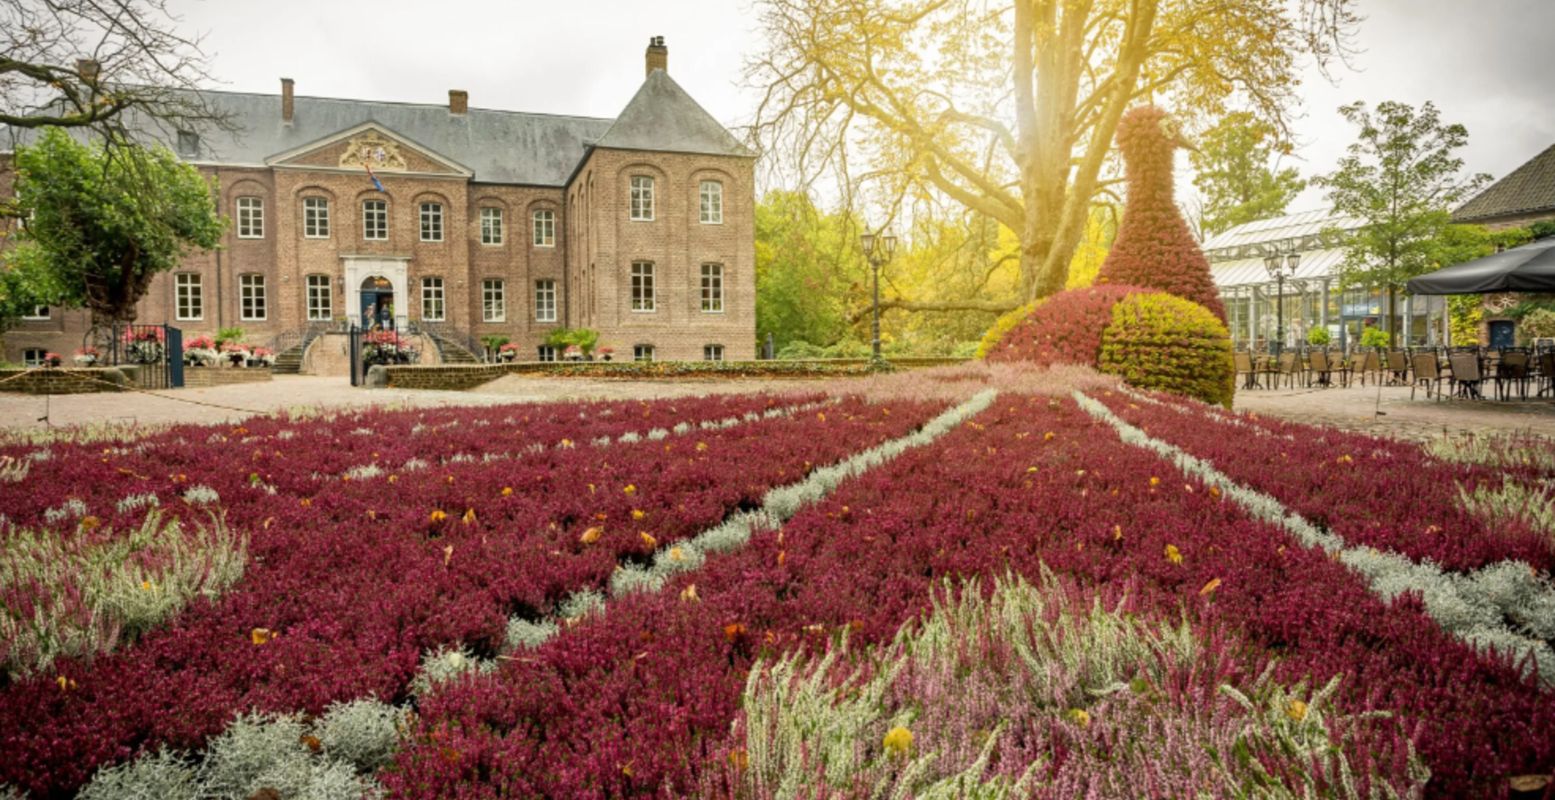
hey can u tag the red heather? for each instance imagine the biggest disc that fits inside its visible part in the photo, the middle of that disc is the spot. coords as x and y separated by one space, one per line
1154 248
1065 329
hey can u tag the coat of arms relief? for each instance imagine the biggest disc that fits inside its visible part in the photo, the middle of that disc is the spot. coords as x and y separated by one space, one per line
372 149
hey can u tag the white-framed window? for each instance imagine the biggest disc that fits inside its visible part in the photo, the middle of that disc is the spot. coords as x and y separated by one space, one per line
642 198
37 312
712 352
251 297
494 304
321 300
33 356
431 222
642 286
188 296
251 218
375 220
642 352
545 228
315 217
546 353
491 225
713 288
432 306
712 195
545 300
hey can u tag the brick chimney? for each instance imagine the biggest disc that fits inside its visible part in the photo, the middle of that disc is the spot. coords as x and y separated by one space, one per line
88 70
287 106
657 57
458 101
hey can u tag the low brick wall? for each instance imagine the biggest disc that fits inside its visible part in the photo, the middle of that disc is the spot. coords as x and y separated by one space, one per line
449 377
224 376
60 380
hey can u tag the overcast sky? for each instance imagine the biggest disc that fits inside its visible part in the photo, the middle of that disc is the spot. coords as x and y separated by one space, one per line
1485 63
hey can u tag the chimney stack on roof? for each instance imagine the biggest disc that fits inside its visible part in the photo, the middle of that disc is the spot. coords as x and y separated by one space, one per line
458 101
287 106
88 70
657 57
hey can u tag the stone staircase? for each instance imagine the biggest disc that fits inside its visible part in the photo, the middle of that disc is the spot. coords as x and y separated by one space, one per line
288 361
451 350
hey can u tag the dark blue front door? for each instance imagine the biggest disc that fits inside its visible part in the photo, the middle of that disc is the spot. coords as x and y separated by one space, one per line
1503 333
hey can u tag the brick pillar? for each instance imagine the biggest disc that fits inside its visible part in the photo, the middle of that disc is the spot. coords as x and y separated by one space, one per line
286 100
458 101
657 57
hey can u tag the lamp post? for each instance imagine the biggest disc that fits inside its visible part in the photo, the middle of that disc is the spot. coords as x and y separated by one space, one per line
878 249
1280 264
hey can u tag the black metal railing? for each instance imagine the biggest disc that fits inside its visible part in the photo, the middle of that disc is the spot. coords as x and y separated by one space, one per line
155 353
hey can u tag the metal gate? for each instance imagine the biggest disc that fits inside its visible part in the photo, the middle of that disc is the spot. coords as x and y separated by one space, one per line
156 352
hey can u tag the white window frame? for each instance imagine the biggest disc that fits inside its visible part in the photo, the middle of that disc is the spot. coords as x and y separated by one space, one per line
431 222
315 217
545 300
375 211
711 195
251 217
642 352
434 299
253 304
188 296
712 352
712 288
491 226
494 302
543 222
643 291
320 287
37 313
33 356
546 353
640 199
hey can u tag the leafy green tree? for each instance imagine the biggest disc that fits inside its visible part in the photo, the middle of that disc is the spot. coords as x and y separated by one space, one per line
1400 180
808 271
1236 170
98 228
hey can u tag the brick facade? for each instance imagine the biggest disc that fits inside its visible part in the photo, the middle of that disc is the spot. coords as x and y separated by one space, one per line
595 243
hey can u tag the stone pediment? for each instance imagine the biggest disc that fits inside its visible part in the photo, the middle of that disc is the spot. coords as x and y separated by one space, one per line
369 145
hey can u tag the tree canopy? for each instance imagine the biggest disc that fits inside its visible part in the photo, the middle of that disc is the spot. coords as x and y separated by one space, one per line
97 228
1400 179
1008 108
1237 172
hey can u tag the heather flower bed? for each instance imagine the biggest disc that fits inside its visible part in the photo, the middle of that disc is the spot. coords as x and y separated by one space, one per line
1055 589
352 580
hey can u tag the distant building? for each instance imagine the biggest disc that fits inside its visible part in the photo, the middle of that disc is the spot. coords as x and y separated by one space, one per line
486 222
1525 196
1312 297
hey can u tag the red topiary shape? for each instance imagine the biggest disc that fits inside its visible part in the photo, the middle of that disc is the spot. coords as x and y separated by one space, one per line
1154 248
1064 329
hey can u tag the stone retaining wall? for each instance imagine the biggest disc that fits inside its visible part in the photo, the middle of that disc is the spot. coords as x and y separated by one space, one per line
61 380
450 377
223 376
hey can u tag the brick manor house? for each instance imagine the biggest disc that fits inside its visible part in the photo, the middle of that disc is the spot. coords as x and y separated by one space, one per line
487 222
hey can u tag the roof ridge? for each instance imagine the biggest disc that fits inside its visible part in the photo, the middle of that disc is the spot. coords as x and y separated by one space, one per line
411 103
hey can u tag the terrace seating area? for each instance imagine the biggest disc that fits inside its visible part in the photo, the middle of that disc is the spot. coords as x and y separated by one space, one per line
1470 373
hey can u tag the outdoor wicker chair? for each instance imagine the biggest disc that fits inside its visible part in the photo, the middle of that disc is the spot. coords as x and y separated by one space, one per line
1398 365
1428 373
1290 370
1467 375
1370 364
1547 373
1512 370
1242 361
1317 363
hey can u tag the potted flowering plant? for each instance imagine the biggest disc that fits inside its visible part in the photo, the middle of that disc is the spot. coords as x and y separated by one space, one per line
52 359
200 351
87 356
235 353
387 347
606 353
261 357
508 352
144 345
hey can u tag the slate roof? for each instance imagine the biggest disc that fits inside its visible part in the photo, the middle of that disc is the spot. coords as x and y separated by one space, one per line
1529 188
662 117
510 147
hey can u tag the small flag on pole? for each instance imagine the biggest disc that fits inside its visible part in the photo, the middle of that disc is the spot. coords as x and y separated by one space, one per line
377 184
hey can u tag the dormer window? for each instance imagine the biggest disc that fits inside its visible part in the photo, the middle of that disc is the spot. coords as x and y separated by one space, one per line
188 144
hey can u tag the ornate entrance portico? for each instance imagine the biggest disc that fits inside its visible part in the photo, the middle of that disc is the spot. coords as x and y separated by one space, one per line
373 282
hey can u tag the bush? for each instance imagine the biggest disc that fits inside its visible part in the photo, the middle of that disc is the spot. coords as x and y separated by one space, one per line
1160 341
584 338
1064 329
1319 337
1375 337
1538 324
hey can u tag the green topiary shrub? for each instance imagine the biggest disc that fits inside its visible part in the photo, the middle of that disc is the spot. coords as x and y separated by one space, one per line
1160 341
1064 329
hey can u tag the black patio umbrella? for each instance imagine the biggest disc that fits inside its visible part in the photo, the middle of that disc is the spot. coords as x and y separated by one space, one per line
1529 268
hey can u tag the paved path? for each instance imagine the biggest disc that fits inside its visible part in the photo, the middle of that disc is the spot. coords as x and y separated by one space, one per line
1356 408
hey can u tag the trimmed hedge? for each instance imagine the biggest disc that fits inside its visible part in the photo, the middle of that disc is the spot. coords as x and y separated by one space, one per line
1160 341
1065 329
